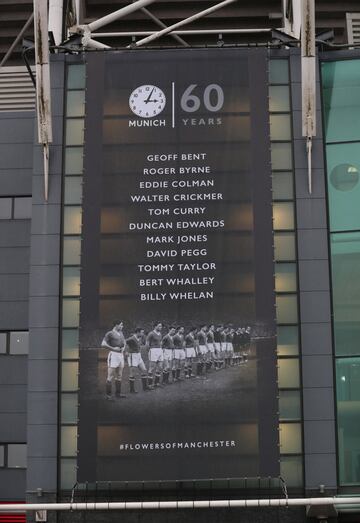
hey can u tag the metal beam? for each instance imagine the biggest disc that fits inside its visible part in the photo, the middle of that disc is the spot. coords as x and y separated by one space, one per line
163 26
183 32
183 22
120 13
17 40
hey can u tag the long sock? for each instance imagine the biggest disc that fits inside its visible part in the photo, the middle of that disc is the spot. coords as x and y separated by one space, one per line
108 388
117 387
144 382
132 384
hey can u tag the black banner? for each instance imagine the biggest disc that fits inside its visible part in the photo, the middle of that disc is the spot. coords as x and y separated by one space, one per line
177 317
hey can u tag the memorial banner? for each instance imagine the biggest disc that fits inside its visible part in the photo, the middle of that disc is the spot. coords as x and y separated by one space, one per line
177 314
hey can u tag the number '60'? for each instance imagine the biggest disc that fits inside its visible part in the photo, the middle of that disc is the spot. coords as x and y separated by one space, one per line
213 98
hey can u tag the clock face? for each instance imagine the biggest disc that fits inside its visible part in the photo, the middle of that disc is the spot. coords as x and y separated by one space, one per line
147 101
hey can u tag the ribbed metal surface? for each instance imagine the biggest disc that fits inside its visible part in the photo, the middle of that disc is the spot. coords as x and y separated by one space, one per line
353 27
17 92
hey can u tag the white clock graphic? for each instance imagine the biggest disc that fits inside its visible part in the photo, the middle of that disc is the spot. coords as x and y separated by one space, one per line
147 101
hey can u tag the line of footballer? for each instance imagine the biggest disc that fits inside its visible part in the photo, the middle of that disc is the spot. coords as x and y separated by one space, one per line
175 356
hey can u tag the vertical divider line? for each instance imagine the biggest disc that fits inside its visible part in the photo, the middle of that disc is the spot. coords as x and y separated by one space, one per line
173 105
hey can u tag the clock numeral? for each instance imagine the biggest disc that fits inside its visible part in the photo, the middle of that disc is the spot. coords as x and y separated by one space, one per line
213 98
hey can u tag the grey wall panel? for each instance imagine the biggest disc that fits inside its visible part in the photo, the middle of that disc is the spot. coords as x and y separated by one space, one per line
13 484
312 244
41 375
45 249
13 398
13 370
42 408
41 473
14 315
15 182
319 437
14 260
311 213
15 233
57 73
10 157
45 219
44 280
44 312
316 338
320 469
44 343
16 130
317 371
314 275
14 287
318 403
42 441
13 427
315 306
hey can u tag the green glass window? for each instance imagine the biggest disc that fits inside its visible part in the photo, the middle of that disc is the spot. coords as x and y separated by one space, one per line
284 246
69 408
290 438
291 469
68 441
348 404
69 376
279 72
283 214
72 220
280 128
289 405
279 98
288 340
70 312
71 281
70 344
74 131
74 160
68 473
71 250
289 373
76 76
281 156
75 103
345 264
341 99
285 277
282 185
286 309
73 190
343 172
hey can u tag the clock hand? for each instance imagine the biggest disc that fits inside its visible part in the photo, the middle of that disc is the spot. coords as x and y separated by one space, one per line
148 98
